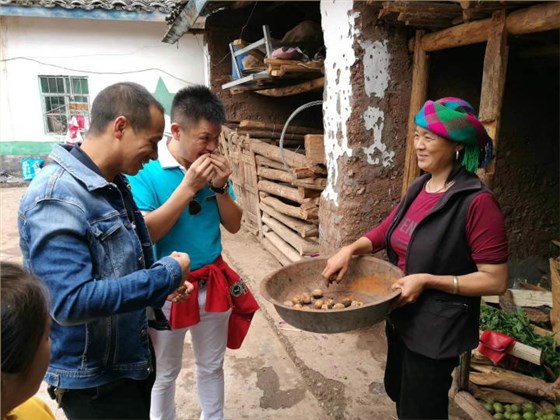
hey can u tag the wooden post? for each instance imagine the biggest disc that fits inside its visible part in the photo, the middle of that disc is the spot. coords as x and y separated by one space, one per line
417 99
255 181
493 82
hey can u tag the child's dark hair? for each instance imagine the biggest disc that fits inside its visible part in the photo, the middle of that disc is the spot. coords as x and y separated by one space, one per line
25 315
194 103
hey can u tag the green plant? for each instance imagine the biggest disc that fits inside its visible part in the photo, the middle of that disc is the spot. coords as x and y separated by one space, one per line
517 325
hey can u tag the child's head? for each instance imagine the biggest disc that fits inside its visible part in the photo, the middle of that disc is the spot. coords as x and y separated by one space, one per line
25 335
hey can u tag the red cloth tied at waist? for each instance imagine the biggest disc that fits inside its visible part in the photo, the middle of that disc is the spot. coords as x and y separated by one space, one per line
495 345
225 290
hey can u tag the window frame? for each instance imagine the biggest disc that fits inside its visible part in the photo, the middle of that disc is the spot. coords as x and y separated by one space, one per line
72 99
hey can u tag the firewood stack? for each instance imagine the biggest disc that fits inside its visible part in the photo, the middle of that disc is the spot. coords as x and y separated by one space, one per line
288 182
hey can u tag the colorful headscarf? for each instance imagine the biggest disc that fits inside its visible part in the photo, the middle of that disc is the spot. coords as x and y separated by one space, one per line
455 119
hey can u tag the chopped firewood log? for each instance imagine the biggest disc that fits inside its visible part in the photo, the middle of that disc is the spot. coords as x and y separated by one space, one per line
525 298
471 407
528 286
302 246
304 229
547 406
537 316
496 377
501 395
315 148
292 159
506 302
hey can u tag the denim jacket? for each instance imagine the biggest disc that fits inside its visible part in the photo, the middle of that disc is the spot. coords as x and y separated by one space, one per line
76 236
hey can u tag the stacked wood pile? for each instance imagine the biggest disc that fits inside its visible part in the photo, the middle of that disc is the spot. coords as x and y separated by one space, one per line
279 188
508 384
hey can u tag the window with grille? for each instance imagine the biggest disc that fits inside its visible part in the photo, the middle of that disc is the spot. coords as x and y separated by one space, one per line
63 97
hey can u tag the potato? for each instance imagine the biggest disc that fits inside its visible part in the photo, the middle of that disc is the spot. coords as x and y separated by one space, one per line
317 293
318 303
356 303
338 306
288 303
305 298
347 301
298 306
296 299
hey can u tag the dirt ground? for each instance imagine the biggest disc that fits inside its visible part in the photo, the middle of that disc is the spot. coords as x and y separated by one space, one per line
280 372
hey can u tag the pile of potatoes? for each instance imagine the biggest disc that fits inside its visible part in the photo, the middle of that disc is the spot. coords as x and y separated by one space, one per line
315 300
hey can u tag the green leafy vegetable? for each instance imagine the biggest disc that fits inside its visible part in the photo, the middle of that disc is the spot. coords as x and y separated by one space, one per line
516 325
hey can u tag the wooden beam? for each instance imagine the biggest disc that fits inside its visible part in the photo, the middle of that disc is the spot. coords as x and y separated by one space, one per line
277 128
276 253
417 98
265 134
493 83
539 18
308 86
423 7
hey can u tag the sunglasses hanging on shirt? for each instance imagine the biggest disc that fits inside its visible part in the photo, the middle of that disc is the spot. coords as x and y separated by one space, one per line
194 207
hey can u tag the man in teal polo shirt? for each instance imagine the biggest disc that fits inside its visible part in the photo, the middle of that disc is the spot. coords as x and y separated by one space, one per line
185 195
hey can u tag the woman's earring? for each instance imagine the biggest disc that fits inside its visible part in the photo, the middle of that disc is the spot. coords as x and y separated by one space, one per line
456 155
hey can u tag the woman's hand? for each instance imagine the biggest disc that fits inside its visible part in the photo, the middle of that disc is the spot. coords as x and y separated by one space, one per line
411 287
337 265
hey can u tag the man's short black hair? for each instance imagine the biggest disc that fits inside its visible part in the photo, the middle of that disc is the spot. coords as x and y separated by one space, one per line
126 98
194 103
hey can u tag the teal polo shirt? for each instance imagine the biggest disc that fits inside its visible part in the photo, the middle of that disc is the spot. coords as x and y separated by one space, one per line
197 235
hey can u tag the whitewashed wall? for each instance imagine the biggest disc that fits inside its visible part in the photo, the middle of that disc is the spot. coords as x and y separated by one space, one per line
104 51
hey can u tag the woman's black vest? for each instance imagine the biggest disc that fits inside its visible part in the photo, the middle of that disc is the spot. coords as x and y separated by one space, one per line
439 325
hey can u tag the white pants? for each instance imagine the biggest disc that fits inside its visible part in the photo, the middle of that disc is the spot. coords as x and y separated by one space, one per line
209 339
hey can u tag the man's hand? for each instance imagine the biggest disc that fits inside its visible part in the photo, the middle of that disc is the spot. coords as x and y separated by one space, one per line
185 289
222 170
199 174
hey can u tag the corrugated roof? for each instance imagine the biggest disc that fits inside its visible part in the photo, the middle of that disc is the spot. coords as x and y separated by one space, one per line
161 6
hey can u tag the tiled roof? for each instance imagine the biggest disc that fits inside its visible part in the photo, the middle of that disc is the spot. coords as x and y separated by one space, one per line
162 6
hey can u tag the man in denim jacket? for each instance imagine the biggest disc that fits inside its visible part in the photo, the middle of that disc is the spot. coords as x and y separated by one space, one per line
83 235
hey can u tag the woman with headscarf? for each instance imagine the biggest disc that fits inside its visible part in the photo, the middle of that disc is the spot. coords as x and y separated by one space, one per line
448 236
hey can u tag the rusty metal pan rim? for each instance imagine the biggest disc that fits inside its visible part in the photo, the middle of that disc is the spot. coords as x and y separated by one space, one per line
389 297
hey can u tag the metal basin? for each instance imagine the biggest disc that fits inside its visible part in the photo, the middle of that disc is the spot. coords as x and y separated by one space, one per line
368 280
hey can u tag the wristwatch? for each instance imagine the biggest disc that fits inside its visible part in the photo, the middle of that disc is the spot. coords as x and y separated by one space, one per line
219 190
